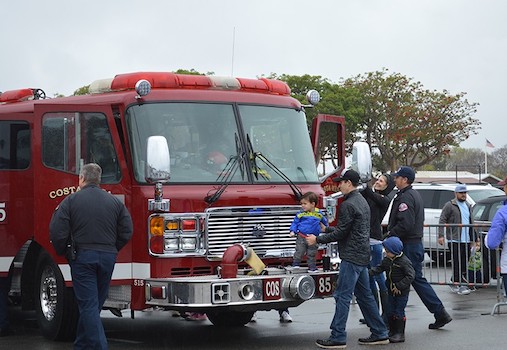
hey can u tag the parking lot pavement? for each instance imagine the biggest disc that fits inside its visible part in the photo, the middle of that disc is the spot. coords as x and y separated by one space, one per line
472 328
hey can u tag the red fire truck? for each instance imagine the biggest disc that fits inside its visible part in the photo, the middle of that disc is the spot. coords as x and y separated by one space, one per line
211 170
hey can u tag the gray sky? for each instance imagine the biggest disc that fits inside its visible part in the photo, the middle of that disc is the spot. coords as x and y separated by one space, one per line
457 45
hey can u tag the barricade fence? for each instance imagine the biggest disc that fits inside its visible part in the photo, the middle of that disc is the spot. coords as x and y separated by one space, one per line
462 259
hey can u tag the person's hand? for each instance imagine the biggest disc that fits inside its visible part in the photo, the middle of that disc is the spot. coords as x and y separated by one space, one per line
322 227
441 240
292 234
395 290
311 239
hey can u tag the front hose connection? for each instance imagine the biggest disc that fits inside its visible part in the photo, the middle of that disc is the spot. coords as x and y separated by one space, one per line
232 256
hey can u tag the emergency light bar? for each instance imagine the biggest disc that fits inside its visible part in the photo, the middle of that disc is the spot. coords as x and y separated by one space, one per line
168 80
16 95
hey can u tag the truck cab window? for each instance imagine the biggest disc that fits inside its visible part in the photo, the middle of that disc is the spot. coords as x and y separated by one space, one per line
72 139
14 145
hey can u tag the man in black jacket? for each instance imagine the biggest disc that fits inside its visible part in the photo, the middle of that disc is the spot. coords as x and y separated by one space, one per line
353 236
100 225
406 221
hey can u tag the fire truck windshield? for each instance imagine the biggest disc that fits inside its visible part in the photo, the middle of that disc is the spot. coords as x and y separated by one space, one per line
204 137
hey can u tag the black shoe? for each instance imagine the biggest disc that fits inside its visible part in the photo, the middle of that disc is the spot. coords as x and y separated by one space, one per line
330 344
362 321
373 340
440 321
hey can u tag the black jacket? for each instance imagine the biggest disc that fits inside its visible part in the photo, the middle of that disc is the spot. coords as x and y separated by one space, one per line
352 231
399 273
379 203
406 220
96 219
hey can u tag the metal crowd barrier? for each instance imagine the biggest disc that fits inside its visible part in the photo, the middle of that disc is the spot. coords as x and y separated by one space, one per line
462 263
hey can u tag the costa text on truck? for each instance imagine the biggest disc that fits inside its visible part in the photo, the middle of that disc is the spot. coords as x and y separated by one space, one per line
211 170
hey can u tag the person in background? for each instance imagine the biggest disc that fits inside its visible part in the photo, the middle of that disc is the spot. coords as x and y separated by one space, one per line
307 221
497 235
400 275
353 236
285 317
406 222
378 197
100 225
457 211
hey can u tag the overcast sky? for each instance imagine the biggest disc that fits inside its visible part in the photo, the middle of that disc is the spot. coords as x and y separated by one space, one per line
457 45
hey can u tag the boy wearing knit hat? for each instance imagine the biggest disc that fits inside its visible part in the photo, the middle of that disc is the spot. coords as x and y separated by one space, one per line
400 274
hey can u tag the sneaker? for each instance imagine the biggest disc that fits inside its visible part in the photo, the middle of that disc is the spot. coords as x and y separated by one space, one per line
373 340
254 318
285 317
313 269
330 344
463 290
440 321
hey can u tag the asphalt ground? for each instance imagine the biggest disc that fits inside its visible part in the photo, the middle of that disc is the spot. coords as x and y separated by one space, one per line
472 328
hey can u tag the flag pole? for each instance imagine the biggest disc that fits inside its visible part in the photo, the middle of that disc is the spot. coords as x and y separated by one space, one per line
485 160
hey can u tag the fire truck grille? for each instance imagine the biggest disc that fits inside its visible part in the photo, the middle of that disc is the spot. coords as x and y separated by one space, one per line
265 229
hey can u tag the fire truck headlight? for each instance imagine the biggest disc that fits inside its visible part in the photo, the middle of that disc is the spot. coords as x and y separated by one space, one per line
172 225
188 243
189 225
313 97
143 87
157 225
171 244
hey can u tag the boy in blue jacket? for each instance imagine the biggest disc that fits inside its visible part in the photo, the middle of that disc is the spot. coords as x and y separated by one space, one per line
307 221
400 274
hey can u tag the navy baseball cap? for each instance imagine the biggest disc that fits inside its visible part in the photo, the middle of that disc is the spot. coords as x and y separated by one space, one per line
406 171
351 175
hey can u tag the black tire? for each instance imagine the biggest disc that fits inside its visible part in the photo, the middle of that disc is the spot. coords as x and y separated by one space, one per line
55 305
229 318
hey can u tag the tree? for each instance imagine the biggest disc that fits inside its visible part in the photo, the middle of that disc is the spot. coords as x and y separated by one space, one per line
83 90
408 124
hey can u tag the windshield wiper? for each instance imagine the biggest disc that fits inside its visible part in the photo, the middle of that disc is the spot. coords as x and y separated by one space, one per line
227 174
257 171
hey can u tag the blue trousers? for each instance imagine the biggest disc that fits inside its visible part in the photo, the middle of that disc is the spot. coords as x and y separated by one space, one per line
376 259
4 308
397 305
91 275
354 279
415 253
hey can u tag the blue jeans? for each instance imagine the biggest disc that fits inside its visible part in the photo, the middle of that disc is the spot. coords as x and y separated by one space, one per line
376 259
4 308
415 253
91 275
397 306
353 279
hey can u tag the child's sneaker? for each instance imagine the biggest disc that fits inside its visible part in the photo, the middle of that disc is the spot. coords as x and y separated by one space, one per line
285 317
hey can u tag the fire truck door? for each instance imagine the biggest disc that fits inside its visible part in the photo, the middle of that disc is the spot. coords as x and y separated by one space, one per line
71 137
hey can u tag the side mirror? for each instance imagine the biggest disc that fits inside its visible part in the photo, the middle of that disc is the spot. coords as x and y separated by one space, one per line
158 161
361 160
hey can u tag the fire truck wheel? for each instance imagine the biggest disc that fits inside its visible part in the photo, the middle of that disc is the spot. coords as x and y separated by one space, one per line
229 318
56 308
